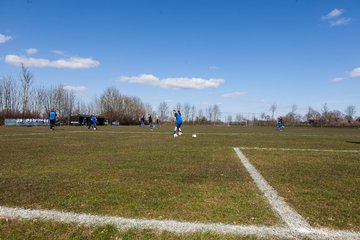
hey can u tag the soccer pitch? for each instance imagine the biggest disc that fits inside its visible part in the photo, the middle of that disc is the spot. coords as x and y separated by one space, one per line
133 183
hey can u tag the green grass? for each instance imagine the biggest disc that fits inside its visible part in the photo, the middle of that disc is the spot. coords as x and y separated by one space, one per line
138 173
38 229
323 187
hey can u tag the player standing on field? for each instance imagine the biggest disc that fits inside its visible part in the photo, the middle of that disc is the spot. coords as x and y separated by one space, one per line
150 122
93 121
52 118
178 122
280 124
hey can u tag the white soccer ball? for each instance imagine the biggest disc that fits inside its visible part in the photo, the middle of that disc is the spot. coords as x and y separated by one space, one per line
194 136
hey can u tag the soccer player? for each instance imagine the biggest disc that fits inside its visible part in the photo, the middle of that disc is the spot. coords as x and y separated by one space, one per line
52 118
150 122
280 124
142 122
178 122
93 121
157 123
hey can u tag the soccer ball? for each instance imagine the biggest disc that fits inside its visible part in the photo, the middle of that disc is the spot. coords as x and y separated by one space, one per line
194 136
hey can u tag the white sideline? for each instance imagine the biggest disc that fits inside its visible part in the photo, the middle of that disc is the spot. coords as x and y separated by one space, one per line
287 214
300 149
176 227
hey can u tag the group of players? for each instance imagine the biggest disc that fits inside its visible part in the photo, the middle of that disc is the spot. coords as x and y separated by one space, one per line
91 124
176 118
176 115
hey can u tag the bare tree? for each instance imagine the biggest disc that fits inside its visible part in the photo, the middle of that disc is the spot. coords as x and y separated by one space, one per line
10 95
193 113
69 99
216 112
350 112
187 112
273 108
178 107
111 104
38 100
238 117
26 81
200 115
163 110
209 113
312 115
148 108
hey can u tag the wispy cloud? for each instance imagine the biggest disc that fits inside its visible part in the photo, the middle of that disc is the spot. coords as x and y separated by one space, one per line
333 14
355 72
79 89
337 79
340 22
72 62
213 67
31 51
234 94
58 52
174 83
334 18
4 38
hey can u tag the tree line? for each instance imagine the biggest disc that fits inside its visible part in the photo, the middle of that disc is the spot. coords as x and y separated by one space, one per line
20 99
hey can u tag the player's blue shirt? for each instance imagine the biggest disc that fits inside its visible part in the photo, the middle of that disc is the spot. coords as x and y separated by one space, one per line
93 119
52 115
178 118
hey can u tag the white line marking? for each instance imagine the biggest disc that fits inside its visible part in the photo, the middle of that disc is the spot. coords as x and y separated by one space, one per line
176 227
287 214
300 149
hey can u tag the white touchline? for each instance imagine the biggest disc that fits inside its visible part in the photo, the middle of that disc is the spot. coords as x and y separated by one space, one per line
176 227
287 214
300 149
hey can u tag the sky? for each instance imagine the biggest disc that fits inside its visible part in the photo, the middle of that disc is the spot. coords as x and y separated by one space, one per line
241 55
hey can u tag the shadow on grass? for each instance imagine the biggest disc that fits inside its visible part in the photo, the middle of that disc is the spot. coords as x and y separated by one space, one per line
355 142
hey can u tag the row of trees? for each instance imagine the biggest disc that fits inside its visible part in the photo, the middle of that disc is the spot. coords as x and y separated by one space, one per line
19 99
324 117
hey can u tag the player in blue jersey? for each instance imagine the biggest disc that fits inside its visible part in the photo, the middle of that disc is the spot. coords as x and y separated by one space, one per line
280 124
178 122
150 122
93 121
52 118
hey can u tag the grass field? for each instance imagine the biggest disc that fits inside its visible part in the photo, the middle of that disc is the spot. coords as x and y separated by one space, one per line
138 173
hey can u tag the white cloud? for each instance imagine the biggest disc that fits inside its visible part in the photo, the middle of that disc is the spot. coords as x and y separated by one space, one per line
213 67
58 52
4 38
355 72
174 83
333 14
338 79
31 51
234 94
72 62
340 22
75 88
333 18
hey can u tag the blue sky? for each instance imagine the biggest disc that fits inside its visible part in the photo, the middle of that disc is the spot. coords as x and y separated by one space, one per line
242 55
